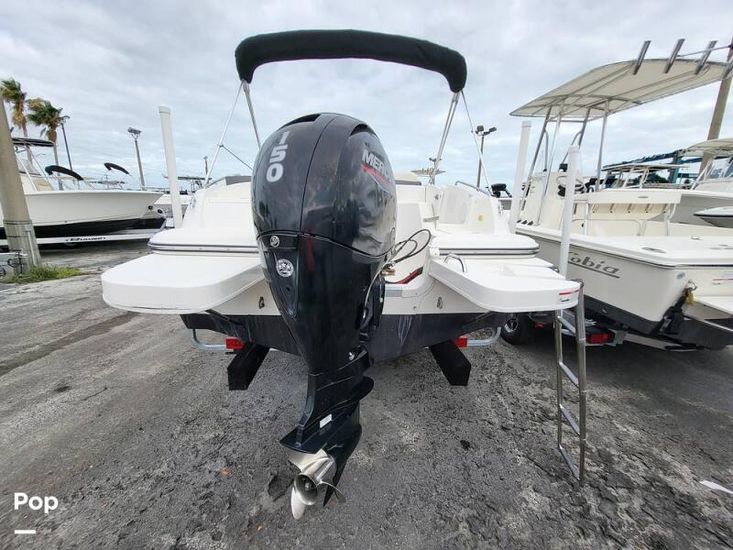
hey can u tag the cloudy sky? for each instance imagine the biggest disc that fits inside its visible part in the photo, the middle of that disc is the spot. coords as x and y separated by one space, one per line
109 65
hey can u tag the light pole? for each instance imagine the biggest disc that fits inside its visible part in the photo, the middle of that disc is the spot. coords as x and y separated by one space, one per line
135 133
483 133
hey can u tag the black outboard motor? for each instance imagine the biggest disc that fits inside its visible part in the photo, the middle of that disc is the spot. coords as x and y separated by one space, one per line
324 200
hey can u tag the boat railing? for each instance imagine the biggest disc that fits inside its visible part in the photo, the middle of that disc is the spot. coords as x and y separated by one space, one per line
473 186
588 218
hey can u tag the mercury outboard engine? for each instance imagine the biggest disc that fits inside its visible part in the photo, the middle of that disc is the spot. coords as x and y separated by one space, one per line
324 200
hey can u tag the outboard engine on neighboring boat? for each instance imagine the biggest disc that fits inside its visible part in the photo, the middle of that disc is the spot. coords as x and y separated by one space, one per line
324 200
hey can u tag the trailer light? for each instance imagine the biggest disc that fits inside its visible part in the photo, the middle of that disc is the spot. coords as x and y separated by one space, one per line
233 344
598 338
461 341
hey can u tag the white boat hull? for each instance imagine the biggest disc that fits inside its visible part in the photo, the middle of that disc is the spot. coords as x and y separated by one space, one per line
164 204
643 290
719 217
694 201
86 212
688 303
212 262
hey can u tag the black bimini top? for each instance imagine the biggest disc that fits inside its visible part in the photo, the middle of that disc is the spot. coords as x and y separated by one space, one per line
55 168
112 166
342 44
31 142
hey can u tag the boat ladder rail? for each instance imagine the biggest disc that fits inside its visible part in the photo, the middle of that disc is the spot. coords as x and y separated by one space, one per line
577 424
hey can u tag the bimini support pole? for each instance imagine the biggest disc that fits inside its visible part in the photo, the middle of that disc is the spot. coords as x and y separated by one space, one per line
517 194
444 137
580 135
599 165
479 150
673 56
543 133
640 58
245 86
583 128
220 144
170 163
567 213
549 159
719 109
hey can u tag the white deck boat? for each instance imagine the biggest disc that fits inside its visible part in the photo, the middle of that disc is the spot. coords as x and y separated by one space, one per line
322 255
64 205
717 176
711 196
472 261
711 189
665 283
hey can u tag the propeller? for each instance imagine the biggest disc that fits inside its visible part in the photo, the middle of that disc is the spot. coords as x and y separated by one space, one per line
311 481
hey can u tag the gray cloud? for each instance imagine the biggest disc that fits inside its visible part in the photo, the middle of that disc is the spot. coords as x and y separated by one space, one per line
109 65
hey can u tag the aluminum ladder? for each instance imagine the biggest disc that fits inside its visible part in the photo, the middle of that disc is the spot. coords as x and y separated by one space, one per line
564 415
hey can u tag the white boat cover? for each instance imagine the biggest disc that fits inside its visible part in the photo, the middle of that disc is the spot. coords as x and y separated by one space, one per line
615 87
720 146
506 287
167 283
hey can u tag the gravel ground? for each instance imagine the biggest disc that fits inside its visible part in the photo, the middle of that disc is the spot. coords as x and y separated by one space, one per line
137 436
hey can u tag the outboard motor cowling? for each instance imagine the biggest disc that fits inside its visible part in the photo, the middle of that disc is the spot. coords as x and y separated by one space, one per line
324 201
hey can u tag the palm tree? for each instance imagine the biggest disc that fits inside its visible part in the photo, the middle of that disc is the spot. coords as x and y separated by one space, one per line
13 94
42 113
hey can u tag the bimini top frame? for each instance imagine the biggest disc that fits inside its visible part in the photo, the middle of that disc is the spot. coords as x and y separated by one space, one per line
619 86
31 142
616 87
722 147
31 167
715 149
348 44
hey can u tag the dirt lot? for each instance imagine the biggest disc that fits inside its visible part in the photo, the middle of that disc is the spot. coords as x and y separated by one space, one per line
135 433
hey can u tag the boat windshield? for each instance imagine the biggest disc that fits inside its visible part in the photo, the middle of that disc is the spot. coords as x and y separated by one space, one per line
657 176
26 168
721 168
